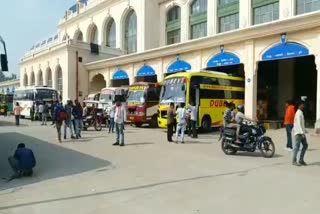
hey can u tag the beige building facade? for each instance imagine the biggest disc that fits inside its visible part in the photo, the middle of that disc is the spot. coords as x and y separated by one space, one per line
254 36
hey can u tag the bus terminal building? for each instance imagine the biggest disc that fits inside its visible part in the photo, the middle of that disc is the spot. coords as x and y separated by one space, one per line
274 44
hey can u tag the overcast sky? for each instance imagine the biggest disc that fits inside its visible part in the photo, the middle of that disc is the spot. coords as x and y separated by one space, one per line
26 22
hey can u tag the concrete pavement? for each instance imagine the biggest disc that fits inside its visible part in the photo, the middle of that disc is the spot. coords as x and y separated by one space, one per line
151 176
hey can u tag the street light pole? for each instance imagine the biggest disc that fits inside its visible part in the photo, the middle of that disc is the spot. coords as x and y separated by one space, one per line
5 54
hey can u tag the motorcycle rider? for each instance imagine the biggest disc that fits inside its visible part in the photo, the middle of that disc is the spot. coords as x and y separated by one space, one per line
229 120
240 117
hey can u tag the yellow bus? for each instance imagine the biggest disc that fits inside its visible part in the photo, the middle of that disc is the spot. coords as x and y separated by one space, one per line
208 90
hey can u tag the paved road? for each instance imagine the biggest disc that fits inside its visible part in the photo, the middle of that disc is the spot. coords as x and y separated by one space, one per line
151 176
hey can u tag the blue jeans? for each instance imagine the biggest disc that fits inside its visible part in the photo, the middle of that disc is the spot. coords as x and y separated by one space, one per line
77 127
300 139
289 136
111 125
67 124
119 132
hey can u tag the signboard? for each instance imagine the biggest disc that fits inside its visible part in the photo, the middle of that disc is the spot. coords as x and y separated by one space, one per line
146 71
179 65
223 59
137 88
120 75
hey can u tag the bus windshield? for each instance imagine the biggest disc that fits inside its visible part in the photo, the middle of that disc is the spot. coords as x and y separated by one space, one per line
173 91
46 95
106 98
24 95
136 96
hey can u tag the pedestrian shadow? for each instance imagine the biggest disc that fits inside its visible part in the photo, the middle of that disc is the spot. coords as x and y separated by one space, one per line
9 124
139 144
53 161
314 164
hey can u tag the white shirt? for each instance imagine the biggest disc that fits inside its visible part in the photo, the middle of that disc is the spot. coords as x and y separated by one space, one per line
298 125
193 110
112 111
239 117
41 108
182 114
120 114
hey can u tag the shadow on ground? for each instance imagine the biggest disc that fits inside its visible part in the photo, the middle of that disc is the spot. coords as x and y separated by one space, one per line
53 161
8 123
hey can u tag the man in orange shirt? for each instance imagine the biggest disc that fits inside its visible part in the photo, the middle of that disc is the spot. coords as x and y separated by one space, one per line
288 122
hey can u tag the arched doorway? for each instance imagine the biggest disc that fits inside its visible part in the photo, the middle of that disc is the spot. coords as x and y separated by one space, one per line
226 62
49 77
120 78
25 80
97 84
32 79
281 71
146 74
40 78
178 66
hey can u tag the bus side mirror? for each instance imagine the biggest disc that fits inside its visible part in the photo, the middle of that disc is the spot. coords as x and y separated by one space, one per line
183 88
110 97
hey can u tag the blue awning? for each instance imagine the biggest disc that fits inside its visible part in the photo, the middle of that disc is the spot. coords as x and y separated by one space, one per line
120 75
146 71
285 51
223 59
179 65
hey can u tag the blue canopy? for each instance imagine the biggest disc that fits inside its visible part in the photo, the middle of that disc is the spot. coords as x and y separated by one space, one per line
120 75
285 51
146 71
179 65
223 59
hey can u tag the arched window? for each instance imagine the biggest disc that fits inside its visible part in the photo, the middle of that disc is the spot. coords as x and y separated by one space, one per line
79 36
25 79
94 34
49 76
32 79
40 78
111 34
228 15
198 19
131 32
173 26
59 80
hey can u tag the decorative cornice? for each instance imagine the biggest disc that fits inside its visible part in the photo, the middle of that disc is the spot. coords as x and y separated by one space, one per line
297 23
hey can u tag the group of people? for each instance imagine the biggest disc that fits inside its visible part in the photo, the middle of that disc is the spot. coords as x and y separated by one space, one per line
70 116
181 119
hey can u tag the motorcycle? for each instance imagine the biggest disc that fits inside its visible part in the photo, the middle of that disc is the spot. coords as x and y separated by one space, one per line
94 120
252 137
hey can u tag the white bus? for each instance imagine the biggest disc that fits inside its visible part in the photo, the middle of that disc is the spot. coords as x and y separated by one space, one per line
30 96
109 95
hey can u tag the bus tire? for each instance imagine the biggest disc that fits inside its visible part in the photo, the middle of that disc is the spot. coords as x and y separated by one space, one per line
154 122
138 124
206 123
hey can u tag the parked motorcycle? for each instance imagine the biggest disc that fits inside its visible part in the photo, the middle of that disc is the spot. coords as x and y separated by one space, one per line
252 137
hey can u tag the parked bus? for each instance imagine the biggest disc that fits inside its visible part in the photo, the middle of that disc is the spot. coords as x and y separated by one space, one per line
207 90
29 97
110 95
142 103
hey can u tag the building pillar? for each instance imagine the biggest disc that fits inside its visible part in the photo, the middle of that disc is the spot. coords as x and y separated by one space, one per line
55 79
212 18
317 125
185 22
251 81
286 9
245 12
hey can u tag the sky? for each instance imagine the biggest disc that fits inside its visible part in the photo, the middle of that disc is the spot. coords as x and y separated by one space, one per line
23 23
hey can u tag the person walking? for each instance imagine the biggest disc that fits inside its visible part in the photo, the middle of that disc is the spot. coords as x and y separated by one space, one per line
119 119
17 112
40 111
299 132
60 115
193 109
181 122
288 122
111 114
77 114
68 121
45 113
170 122
52 109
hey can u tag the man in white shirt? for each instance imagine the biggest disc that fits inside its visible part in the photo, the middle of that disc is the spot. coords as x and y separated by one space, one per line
120 117
193 117
182 122
299 132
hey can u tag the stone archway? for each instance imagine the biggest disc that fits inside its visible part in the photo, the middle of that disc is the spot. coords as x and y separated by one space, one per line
97 83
